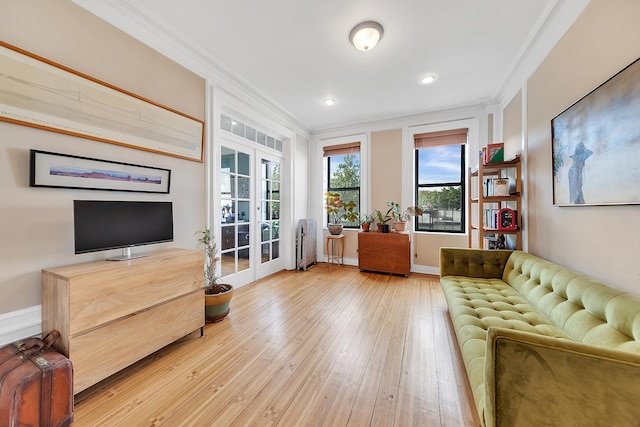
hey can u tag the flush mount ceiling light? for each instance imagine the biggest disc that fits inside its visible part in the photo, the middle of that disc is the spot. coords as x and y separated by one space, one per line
329 102
428 78
366 35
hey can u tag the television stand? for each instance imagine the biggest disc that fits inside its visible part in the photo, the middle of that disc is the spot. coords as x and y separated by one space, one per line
127 255
112 314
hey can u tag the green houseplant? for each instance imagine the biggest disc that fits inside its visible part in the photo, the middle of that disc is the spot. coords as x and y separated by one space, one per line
401 218
217 296
383 219
366 219
339 211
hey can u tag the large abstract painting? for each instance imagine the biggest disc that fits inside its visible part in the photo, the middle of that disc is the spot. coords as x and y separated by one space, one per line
39 93
596 145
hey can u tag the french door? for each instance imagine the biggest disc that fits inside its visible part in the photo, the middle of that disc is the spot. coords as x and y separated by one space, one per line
250 207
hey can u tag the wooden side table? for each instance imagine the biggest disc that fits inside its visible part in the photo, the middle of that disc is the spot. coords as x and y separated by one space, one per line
335 250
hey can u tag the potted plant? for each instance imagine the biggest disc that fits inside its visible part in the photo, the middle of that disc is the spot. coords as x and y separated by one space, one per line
338 211
217 296
401 218
366 220
382 221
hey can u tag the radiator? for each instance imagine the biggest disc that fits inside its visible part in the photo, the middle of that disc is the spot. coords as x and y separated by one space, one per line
306 243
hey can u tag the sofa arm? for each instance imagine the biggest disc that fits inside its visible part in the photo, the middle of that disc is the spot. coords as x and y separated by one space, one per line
480 263
534 380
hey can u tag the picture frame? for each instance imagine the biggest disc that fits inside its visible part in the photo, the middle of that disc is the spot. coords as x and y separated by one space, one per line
595 145
42 94
56 170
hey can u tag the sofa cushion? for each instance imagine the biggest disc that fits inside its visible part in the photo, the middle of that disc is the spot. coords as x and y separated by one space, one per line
477 304
586 309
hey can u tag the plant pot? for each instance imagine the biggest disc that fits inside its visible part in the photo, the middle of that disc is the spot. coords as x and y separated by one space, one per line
385 228
216 306
366 227
400 225
335 229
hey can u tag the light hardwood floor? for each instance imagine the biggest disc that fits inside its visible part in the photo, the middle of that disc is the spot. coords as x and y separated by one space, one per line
327 347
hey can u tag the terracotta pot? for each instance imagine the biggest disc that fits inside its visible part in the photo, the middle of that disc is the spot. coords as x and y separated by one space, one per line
366 227
216 306
335 229
400 225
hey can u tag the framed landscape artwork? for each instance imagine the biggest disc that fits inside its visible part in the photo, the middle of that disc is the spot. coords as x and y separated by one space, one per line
66 171
596 145
39 93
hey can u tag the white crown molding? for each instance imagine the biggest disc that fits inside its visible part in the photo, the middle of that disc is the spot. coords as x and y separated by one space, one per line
20 324
145 26
420 119
552 24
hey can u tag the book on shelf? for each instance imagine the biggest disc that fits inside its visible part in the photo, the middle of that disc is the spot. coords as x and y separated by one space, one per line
495 187
500 219
493 153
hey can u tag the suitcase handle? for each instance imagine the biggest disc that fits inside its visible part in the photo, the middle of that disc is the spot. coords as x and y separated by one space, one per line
50 339
45 343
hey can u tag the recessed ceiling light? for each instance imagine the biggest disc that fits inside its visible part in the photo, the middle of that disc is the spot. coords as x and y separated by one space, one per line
329 102
428 78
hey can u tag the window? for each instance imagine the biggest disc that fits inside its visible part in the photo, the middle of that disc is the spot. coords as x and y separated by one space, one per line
343 174
440 181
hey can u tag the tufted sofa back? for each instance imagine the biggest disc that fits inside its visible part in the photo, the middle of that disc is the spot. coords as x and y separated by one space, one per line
588 310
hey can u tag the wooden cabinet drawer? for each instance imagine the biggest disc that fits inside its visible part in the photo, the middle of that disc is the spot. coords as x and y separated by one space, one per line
104 351
102 291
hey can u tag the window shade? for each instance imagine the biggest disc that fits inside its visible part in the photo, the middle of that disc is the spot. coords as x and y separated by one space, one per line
341 149
445 137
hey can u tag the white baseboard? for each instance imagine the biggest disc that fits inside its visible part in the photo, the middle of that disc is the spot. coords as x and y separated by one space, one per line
20 324
424 269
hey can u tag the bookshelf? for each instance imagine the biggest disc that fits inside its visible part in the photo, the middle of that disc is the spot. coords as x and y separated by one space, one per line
494 195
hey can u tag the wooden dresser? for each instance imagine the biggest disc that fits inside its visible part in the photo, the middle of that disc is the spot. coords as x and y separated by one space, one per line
384 252
110 314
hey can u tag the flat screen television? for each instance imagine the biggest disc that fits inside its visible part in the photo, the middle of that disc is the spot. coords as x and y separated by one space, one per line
100 225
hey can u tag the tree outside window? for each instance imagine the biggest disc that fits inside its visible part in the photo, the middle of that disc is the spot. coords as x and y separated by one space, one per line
344 178
440 188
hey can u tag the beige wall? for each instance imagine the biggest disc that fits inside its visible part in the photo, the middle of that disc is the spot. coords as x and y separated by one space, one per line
601 241
36 223
386 168
512 132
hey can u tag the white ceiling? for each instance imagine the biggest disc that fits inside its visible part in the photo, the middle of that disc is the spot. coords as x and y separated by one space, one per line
297 53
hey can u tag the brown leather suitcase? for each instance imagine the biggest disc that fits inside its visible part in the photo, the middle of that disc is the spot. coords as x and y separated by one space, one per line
36 384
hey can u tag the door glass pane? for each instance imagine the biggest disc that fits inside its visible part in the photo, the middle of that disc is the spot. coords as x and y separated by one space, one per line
228 239
228 211
266 213
265 231
244 167
228 262
243 259
235 196
243 235
244 187
270 206
244 213
228 160
264 194
275 172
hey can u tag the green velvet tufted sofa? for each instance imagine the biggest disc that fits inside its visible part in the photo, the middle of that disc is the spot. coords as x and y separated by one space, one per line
543 345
